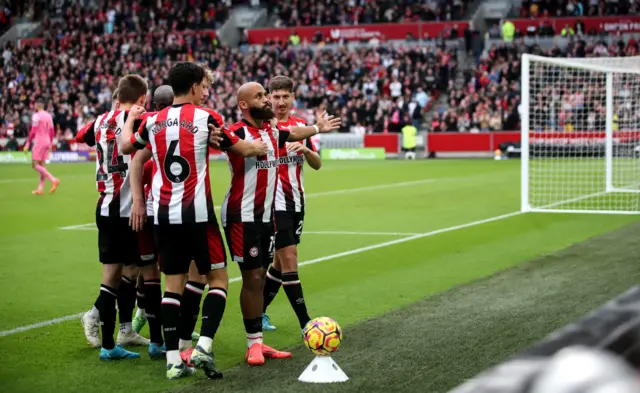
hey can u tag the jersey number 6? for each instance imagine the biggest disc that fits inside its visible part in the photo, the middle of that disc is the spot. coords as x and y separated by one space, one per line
172 161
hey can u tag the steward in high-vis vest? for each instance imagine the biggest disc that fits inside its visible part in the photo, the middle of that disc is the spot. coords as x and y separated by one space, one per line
409 133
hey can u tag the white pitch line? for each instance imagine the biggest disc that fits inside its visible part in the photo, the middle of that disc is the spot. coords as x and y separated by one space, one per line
317 194
40 324
80 227
358 233
25 328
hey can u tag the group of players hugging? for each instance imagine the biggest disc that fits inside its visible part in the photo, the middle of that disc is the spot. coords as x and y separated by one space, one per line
155 214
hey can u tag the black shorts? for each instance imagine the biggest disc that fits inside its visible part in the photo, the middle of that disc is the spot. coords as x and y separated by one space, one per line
251 244
178 244
146 243
117 242
288 228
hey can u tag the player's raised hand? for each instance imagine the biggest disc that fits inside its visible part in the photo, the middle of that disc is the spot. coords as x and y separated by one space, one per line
138 216
260 147
215 136
295 147
327 123
136 111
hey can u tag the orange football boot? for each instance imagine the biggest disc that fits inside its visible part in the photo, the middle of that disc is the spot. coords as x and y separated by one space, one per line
54 185
272 353
255 356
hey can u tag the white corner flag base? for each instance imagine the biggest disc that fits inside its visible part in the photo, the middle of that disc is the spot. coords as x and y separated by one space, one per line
323 370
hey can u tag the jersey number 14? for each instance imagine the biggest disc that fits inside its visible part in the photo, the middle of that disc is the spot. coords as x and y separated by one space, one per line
115 163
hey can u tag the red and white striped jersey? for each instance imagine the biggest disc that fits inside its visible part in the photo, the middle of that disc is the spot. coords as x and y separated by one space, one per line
147 177
290 189
112 167
179 139
253 179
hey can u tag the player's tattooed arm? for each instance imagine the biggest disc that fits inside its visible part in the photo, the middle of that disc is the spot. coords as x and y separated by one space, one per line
324 123
127 142
136 171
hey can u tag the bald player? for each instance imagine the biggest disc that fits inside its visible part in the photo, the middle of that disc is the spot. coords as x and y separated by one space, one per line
185 224
162 98
247 210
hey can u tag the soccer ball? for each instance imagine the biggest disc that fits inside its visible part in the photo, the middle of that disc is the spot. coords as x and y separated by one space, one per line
322 335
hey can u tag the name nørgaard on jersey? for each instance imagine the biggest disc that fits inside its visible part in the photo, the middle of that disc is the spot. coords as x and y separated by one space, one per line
172 122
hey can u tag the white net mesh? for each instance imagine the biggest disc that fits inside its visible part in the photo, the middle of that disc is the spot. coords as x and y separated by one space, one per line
572 164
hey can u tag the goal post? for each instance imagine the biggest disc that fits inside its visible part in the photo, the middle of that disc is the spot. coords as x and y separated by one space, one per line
580 142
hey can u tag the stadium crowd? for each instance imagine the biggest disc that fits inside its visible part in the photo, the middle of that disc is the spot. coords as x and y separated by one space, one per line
341 12
370 87
27 10
490 96
138 17
553 8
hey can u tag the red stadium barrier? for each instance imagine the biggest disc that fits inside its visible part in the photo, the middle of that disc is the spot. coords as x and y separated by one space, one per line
442 142
606 24
390 142
388 31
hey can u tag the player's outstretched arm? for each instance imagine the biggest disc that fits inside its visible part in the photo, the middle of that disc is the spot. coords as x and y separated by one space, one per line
136 171
323 124
127 142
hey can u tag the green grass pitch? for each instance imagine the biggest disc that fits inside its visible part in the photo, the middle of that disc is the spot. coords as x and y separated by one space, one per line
399 245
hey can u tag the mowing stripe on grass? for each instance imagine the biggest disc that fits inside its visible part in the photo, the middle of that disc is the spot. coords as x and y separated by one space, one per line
370 188
35 178
317 194
25 328
92 227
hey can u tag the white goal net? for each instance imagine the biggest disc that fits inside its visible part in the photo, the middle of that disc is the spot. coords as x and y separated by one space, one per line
580 122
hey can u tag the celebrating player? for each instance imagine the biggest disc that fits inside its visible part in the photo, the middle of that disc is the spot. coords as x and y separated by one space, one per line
185 222
289 207
162 98
118 246
127 293
247 210
142 221
42 134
